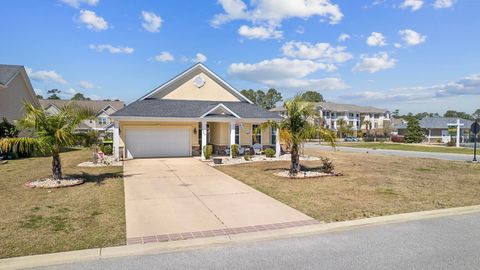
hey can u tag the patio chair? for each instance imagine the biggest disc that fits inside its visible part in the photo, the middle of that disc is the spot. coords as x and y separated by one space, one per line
257 148
241 150
227 151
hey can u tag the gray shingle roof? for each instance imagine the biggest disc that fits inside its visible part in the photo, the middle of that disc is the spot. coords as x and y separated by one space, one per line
337 107
190 109
440 123
7 72
95 105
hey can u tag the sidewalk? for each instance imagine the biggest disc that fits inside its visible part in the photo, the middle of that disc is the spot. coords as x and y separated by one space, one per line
163 247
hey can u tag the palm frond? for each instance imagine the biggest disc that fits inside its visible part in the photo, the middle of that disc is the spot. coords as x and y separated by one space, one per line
24 145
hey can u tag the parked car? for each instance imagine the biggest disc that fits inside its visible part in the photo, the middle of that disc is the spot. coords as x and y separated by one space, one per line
351 139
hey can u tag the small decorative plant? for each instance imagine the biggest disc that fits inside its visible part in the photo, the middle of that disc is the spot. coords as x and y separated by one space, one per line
269 152
327 165
207 151
234 149
247 157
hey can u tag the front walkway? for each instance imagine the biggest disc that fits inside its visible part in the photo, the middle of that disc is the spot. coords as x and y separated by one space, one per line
170 199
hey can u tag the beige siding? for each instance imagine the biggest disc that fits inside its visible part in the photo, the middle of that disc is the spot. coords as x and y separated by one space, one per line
12 98
210 91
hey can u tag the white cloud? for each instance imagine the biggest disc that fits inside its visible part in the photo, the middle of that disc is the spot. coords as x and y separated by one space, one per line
376 39
343 37
300 30
92 21
468 86
414 5
111 49
443 3
411 37
45 76
323 52
86 85
199 58
77 3
164 57
283 73
151 21
397 45
275 11
375 63
260 32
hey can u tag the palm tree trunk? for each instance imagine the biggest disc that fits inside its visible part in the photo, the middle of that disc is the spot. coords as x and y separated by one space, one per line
56 166
295 160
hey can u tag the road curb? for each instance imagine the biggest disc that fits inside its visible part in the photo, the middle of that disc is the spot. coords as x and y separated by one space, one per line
157 248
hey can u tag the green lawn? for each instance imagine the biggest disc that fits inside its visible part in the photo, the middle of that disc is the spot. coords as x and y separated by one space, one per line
37 221
409 147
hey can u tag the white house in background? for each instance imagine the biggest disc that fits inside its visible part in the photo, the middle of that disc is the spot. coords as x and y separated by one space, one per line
103 109
353 115
15 90
436 128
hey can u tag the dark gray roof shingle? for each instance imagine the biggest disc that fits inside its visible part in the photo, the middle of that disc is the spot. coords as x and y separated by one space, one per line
190 109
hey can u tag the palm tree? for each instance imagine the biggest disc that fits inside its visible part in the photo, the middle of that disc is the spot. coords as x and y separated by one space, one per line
368 126
50 132
297 127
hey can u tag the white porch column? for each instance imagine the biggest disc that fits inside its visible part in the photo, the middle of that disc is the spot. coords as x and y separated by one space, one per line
116 141
429 135
277 143
458 133
232 137
204 138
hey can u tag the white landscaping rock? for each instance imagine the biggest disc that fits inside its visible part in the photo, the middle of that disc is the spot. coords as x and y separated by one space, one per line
53 183
259 158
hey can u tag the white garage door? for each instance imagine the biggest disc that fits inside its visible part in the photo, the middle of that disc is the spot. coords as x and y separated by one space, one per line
158 142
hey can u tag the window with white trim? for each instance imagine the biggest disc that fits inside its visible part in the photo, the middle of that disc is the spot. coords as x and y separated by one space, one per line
237 134
273 139
102 120
256 138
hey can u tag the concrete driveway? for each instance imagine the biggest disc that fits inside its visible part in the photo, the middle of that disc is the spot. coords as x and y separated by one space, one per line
170 198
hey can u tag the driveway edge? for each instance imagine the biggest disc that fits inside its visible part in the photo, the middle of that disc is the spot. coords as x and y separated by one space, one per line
157 248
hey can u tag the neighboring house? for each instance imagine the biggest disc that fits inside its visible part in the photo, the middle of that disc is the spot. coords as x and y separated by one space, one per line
103 110
15 90
353 115
436 128
183 115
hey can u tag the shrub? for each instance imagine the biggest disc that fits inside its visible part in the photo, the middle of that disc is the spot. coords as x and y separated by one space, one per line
269 152
207 151
107 149
8 130
247 157
398 139
327 165
234 149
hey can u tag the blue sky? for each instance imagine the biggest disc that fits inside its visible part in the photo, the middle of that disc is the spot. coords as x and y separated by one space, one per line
412 55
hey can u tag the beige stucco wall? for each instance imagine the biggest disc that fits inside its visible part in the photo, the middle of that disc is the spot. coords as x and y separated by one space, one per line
210 91
12 98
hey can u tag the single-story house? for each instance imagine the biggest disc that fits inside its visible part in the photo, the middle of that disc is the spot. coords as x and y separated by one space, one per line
102 108
15 90
183 115
436 128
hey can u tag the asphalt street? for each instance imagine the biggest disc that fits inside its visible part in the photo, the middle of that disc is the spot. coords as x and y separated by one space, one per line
400 153
442 243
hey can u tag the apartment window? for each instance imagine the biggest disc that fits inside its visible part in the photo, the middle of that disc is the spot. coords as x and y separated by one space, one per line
102 121
274 136
256 138
237 134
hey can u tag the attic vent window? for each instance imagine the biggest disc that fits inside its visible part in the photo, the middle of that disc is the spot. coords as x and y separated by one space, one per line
199 81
